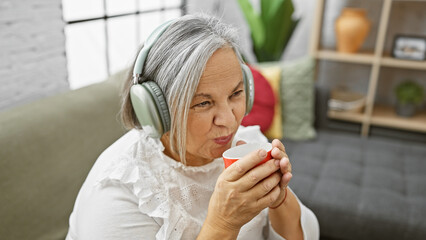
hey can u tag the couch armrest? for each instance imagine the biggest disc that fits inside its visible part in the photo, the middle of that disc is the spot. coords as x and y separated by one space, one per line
46 150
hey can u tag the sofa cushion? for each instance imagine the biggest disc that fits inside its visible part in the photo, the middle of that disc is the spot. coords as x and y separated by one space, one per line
273 75
297 98
361 188
293 85
47 149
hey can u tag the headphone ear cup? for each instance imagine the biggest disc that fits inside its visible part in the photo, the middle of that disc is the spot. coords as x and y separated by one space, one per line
248 87
151 108
160 102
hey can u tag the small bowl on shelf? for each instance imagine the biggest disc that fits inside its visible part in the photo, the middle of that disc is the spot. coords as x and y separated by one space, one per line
343 100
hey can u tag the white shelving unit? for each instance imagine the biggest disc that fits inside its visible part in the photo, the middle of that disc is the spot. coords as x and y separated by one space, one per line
373 114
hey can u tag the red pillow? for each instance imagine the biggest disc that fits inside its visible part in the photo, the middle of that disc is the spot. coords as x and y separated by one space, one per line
262 112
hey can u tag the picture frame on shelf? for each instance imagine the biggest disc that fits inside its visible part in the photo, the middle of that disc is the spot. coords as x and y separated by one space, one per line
409 47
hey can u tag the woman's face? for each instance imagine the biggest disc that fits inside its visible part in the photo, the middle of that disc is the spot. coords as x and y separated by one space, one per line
217 108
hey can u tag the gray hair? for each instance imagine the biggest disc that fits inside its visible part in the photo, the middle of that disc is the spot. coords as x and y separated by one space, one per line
176 62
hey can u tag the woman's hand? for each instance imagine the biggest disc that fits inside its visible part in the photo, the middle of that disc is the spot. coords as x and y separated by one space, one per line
243 190
281 159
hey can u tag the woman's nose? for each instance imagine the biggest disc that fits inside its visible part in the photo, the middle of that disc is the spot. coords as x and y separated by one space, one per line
224 116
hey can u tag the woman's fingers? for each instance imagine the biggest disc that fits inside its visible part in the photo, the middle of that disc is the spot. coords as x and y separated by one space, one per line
278 150
256 175
265 186
278 144
285 179
243 165
285 165
245 188
277 153
269 198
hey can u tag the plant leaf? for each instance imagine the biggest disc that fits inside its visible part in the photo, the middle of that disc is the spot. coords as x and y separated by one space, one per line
293 26
409 92
254 21
279 27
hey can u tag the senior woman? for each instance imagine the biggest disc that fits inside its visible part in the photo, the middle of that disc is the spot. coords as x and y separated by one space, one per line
165 178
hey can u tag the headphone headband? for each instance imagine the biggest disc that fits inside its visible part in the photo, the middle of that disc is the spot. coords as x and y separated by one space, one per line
152 38
148 101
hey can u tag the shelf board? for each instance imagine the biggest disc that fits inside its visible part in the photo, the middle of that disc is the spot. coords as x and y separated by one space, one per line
357 117
408 0
362 58
399 63
368 58
385 116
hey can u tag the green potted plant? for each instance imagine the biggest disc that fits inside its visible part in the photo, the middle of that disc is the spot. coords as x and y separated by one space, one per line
271 28
409 96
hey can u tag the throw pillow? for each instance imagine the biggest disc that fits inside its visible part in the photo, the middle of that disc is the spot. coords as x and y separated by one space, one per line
273 74
297 98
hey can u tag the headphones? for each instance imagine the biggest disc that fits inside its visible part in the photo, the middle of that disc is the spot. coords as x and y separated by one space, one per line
148 100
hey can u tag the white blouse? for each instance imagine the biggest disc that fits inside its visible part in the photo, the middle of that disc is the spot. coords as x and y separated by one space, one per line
135 191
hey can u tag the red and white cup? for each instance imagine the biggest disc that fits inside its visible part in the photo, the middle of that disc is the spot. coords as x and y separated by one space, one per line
234 154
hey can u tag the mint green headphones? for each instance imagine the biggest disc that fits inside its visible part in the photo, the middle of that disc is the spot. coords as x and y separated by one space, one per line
148 100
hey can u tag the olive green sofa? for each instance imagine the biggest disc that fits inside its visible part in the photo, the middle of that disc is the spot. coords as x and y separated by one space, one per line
47 148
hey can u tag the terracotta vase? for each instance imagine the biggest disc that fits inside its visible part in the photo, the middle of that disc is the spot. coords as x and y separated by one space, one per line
352 27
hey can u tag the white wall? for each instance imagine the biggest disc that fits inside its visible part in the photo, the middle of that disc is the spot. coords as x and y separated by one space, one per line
32 51
41 56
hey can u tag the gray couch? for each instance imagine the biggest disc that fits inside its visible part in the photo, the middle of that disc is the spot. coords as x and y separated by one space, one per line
361 188
46 151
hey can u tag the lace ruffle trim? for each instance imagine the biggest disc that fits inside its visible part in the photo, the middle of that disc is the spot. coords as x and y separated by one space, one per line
140 170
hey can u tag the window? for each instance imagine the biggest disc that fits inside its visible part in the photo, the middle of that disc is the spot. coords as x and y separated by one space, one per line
103 36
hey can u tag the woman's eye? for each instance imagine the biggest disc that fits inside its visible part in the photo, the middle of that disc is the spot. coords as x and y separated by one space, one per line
237 93
203 104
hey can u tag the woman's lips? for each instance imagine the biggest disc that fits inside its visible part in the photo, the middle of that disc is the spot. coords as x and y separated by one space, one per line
223 140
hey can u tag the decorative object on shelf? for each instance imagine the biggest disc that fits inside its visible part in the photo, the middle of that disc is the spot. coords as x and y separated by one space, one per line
409 96
344 100
271 29
409 47
352 28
